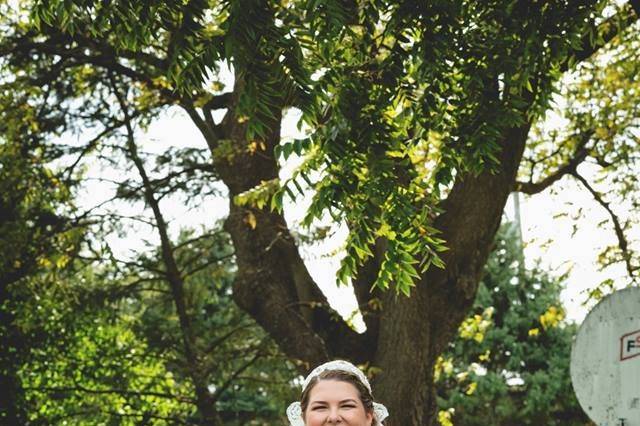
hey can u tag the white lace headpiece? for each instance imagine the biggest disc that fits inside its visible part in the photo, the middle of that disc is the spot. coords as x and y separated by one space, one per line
294 411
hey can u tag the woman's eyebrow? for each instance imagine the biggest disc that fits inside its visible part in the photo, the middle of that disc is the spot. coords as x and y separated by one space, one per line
325 402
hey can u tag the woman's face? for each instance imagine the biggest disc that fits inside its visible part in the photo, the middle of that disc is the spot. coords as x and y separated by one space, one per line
333 402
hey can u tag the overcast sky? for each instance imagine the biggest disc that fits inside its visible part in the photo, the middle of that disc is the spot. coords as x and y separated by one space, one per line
547 238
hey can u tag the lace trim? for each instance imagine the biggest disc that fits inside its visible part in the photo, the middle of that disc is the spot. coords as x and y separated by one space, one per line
294 413
380 412
337 365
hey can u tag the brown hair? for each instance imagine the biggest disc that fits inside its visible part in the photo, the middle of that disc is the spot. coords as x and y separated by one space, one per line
342 376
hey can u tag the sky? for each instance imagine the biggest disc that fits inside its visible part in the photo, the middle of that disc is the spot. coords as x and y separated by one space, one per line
549 240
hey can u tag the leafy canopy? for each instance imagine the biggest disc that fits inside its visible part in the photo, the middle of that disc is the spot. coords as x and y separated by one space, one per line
398 98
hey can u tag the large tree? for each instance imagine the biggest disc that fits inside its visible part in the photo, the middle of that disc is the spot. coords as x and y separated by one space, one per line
417 116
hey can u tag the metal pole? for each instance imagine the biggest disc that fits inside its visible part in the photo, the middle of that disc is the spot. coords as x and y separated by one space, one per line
517 222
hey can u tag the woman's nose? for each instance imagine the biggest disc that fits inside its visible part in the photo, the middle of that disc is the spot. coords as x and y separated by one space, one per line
334 416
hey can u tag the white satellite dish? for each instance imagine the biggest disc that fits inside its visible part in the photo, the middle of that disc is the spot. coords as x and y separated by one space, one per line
605 360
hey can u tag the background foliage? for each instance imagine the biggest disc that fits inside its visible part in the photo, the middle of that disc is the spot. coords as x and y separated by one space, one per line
510 362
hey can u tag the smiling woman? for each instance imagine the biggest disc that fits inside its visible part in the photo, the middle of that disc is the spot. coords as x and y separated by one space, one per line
336 393
333 401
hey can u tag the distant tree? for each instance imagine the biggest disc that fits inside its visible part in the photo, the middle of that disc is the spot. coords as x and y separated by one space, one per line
37 230
510 362
85 364
106 347
171 305
249 379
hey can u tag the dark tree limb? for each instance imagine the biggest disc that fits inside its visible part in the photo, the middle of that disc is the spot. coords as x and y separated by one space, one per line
217 342
273 284
231 379
212 133
217 102
186 271
102 56
220 101
617 226
196 239
428 319
580 154
104 47
91 145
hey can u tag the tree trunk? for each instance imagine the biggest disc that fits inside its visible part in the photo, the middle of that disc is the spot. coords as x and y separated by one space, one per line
272 282
405 356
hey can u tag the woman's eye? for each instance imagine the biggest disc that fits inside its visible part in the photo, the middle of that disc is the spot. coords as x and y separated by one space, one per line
349 406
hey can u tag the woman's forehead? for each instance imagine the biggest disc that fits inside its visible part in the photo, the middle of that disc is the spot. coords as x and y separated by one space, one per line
337 390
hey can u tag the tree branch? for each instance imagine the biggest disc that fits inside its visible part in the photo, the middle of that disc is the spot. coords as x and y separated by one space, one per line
222 389
471 216
211 132
107 49
611 28
174 278
212 346
58 44
89 146
220 101
273 283
186 272
617 226
578 157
